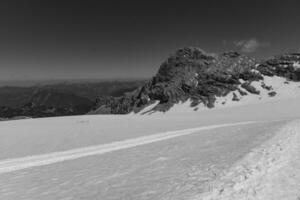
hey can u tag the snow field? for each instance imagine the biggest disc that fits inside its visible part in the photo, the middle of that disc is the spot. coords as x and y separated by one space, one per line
271 171
11 165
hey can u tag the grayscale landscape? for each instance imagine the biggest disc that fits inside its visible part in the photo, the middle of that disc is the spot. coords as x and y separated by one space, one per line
133 101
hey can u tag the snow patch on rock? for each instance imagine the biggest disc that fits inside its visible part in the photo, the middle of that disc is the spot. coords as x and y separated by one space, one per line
281 86
296 65
271 89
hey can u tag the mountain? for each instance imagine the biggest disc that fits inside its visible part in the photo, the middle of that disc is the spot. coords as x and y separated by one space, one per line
58 99
191 78
18 96
49 102
207 80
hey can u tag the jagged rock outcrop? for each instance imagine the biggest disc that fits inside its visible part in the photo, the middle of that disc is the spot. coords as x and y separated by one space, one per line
191 73
287 65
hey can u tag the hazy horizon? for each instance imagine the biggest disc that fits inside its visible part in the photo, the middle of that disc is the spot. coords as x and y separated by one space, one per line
59 40
42 82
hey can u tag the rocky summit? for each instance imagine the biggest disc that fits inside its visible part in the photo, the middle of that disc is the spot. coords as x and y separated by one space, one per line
200 77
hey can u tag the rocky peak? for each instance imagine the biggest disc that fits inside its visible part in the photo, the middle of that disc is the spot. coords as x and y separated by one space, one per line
183 61
201 77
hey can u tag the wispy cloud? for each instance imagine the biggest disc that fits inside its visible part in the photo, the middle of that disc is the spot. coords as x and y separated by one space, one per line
250 45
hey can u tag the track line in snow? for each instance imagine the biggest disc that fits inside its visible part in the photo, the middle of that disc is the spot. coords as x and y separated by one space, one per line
11 165
271 171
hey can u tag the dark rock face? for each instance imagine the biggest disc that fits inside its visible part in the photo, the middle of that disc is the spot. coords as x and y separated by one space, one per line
235 97
272 94
190 73
266 87
285 66
7 112
247 86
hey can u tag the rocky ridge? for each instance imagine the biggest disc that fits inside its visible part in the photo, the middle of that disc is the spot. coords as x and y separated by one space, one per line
200 77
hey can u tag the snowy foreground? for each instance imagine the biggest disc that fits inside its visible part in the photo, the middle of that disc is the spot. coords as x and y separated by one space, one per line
241 152
271 171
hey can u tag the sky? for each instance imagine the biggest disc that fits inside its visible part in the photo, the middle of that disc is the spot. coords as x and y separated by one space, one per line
53 40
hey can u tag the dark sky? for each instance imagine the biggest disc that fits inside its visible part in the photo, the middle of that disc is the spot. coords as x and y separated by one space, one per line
129 39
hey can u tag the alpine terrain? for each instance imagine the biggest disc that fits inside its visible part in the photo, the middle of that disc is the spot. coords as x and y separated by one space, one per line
210 80
206 127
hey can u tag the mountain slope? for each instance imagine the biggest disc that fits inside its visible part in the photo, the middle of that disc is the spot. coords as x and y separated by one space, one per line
176 168
199 78
58 99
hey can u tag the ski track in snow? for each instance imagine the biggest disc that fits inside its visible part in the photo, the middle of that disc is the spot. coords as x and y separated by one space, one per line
11 165
271 171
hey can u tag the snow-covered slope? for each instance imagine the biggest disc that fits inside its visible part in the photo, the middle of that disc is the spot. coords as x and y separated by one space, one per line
271 89
181 156
271 171
30 136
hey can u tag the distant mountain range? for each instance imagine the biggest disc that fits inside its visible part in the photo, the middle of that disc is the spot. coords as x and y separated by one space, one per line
204 79
190 75
58 99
